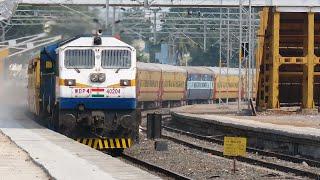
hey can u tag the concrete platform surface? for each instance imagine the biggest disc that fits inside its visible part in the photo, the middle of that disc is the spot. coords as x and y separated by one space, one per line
281 117
15 164
61 157
246 124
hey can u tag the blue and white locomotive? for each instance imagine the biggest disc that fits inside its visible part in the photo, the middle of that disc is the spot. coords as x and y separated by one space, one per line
86 88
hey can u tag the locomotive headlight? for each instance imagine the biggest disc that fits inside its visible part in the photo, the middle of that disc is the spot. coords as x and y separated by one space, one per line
69 82
102 77
125 82
94 77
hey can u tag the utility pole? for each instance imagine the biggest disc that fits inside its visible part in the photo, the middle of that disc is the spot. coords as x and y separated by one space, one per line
107 14
228 53
114 21
220 53
155 27
205 36
240 58
250 54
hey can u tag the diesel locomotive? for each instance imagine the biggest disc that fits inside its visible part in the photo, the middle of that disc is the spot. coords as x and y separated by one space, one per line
85 88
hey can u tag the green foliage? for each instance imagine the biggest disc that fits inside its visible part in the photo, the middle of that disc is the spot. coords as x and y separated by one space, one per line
143 57
208 58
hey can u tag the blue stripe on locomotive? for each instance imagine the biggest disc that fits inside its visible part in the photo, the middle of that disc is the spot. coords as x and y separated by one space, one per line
98 103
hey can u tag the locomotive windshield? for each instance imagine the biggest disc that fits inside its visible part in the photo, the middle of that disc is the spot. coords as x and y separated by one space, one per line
80 58
116 59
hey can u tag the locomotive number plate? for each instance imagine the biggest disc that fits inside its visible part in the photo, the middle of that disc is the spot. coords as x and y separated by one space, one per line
81 92
111 92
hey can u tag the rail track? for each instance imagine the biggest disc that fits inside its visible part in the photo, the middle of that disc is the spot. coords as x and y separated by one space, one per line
252 161
248 160
154 168
281 156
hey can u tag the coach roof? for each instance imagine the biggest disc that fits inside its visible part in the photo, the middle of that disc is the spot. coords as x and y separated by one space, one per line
198 70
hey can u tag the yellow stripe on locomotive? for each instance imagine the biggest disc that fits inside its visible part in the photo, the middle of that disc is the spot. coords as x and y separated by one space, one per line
108 143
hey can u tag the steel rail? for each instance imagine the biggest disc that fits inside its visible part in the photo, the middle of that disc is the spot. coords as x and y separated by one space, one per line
154 168
249 149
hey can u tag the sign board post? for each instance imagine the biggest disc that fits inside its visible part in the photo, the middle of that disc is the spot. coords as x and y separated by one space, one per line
234 146
154 125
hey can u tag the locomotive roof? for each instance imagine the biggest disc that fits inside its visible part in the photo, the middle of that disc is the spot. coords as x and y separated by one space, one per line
88 41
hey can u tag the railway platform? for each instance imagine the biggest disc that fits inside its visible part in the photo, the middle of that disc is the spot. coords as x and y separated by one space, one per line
295 133
288 116
44 154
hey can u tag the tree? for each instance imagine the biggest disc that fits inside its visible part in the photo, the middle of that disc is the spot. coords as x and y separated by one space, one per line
208 58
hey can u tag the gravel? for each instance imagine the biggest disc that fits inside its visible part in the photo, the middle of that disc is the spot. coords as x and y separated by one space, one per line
301 166
199 165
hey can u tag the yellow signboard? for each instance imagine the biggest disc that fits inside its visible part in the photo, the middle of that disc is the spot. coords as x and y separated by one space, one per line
234 146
